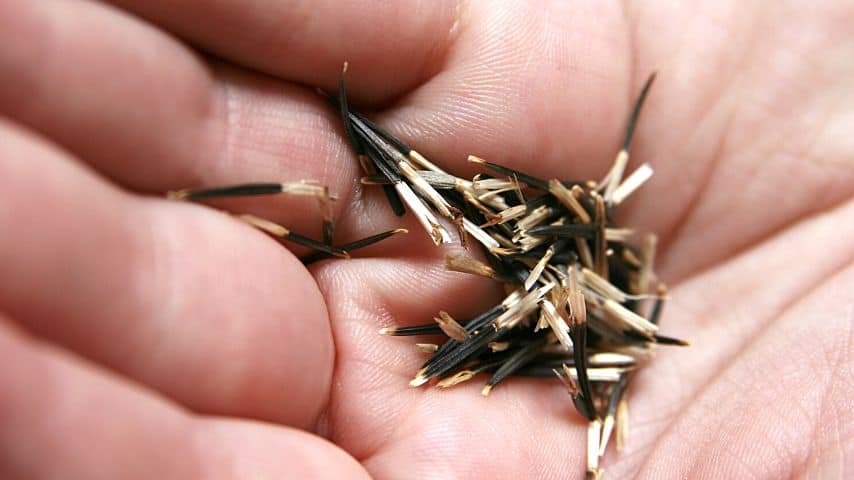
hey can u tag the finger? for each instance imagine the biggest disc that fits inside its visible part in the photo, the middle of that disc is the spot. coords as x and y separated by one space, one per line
110 89
400 44
187 301
63 417
146 112
543 89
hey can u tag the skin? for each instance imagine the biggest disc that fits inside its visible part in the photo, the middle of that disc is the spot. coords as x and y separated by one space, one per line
147 338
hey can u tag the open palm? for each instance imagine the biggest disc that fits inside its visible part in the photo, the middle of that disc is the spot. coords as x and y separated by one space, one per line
145 338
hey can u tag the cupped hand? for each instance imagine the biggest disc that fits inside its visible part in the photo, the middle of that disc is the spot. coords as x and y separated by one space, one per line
147 338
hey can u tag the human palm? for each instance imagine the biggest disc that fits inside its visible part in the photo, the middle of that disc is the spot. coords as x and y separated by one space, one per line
144 338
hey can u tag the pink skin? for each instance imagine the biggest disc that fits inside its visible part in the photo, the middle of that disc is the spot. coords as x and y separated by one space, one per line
144 338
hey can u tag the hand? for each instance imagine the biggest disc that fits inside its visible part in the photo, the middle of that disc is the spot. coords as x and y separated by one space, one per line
146 338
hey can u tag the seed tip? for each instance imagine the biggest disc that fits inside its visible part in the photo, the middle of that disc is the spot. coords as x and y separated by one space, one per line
594 474
419 380
177 194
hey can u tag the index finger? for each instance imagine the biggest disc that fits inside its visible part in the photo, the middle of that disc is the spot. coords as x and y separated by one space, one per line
307 41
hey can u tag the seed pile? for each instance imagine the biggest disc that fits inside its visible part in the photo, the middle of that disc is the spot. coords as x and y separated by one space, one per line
582 304
582 300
